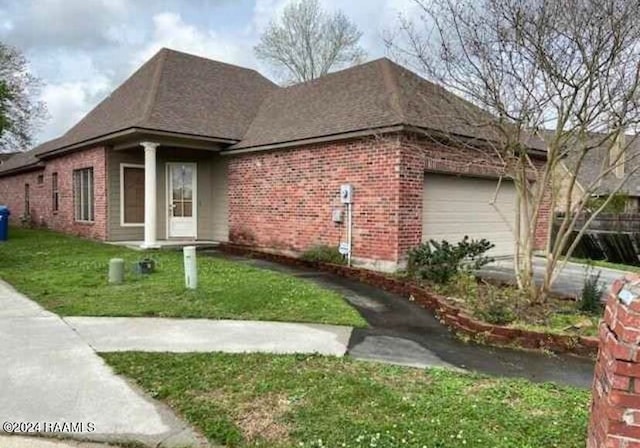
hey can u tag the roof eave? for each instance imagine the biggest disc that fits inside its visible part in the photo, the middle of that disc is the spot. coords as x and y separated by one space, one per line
470 140
365 133
319 139
130 132
23 169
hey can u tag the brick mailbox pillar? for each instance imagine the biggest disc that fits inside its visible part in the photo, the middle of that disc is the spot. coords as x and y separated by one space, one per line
615 406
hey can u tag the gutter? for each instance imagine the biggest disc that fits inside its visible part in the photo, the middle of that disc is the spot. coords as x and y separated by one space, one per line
369 132
312 140
128 132
23 169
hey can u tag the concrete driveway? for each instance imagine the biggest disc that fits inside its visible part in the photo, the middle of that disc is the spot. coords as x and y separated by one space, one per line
50 376
569 282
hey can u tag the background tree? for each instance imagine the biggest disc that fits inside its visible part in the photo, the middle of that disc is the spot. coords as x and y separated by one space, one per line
562 76
20 113
307 42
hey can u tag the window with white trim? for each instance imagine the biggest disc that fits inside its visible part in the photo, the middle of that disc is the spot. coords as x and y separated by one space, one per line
83 200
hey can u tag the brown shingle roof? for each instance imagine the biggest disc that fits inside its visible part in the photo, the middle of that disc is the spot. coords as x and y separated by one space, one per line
187 94
374 95
178 92
4 156
28 159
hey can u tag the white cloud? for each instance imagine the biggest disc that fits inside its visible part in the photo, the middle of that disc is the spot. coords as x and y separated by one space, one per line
82 49
69 23
263 12
171 31
68 101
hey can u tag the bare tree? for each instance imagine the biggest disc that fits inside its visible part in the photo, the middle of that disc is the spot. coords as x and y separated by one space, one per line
20 112
558 76
306 42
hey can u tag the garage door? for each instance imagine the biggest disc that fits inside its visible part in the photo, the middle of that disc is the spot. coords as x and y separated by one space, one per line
457 206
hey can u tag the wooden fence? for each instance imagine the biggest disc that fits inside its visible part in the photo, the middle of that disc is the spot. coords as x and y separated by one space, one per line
615 238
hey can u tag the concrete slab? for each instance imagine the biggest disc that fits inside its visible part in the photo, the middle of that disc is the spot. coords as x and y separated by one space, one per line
50 375
569 282
399 351
168 244
113 334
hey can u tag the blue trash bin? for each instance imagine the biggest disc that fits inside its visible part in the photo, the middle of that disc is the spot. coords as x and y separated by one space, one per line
4 222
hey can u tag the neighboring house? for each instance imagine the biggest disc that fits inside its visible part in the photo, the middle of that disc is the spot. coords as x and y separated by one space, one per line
190 148
620 164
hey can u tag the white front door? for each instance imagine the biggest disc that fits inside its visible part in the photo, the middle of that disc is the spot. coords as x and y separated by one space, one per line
181 192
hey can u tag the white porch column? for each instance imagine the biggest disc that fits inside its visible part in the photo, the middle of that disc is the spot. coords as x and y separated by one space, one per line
150 195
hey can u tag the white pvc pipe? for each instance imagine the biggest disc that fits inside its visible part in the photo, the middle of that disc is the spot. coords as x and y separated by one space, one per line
190 267
349 233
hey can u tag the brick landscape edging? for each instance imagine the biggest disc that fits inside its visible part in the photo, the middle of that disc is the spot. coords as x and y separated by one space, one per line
453 317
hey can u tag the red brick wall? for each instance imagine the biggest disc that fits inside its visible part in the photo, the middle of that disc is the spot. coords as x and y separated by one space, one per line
615 406
543 223
283 199
41 204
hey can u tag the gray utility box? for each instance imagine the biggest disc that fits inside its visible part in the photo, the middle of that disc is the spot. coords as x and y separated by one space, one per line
146 266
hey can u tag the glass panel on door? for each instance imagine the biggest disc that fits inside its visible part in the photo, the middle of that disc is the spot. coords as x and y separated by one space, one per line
181 178
182 190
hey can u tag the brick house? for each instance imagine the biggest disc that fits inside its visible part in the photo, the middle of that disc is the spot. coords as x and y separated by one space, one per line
193 149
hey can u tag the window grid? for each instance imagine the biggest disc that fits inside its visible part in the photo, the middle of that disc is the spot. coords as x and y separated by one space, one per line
83 195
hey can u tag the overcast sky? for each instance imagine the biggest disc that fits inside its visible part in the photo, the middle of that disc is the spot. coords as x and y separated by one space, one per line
83 49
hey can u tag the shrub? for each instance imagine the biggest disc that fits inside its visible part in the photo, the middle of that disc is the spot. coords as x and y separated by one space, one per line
497 305
323 254
592 291
462 286
439 262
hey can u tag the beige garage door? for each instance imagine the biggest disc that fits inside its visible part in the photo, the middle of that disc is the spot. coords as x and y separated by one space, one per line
457 206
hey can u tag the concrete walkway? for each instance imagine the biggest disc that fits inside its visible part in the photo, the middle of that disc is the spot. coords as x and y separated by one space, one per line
50 375
403 333
569 282
115 334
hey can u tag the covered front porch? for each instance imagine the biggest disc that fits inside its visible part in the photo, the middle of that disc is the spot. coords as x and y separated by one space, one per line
167 194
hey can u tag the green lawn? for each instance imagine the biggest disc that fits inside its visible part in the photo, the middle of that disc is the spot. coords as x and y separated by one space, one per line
312 401
68 275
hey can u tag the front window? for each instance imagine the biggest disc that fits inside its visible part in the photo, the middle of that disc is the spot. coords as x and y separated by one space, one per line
132 194
83 199
27 204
